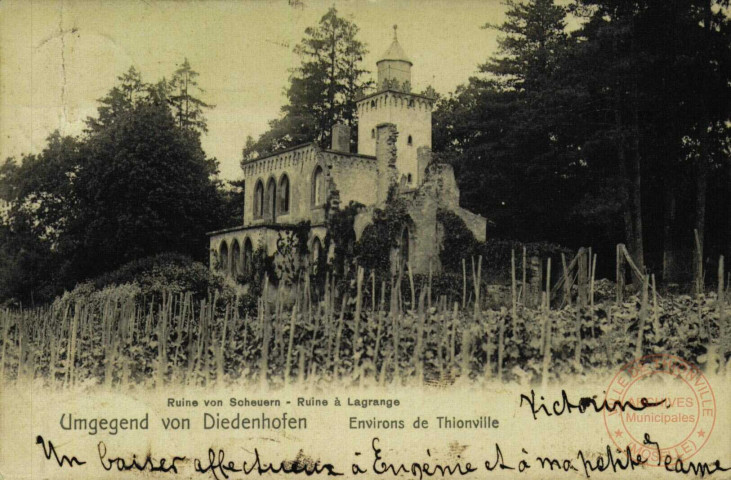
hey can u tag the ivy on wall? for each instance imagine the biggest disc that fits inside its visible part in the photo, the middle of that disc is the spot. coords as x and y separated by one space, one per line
292 252
373 249
341 236
458 242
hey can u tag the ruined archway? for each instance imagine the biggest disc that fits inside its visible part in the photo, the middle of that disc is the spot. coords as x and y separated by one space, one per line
235 259
223 257
248 256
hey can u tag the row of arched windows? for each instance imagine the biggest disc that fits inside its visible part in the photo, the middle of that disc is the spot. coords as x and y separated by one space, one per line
267 203
274 199
235 264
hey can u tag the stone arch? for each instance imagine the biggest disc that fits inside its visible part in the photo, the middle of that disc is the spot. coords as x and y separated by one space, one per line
223 257
406 245
315 254
235 258
270 200
248 256
284 194
259 199
318 186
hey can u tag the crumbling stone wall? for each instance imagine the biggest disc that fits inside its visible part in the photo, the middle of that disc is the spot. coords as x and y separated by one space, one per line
386 154
439 190
422 209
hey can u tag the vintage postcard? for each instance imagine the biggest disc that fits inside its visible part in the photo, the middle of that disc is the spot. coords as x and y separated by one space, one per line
365 239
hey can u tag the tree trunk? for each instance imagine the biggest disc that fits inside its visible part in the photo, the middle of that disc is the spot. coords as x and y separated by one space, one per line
728 209
669 267
700 216
621 163
631 183
701 183
639 251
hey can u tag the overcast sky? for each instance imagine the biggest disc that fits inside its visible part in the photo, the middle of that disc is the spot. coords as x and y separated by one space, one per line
59 57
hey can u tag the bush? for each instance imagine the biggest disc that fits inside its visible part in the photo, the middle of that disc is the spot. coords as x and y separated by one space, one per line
373 250
167 272
458 242
341 235
496 254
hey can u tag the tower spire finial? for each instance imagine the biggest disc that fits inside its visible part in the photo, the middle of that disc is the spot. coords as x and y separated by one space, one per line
395 33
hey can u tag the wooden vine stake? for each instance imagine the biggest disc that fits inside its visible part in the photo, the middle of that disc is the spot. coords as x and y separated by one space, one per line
722 300
464 284
583 275
547 327
698 260
513 315
620 273
643 317
360 273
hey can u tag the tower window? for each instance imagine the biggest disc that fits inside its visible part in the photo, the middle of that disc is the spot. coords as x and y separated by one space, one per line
373 133
410 141
410 178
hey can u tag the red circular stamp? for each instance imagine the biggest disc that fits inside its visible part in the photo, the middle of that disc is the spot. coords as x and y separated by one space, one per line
660 406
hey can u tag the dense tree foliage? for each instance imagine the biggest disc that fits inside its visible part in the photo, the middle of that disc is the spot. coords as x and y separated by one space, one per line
323 89
614 132
135 184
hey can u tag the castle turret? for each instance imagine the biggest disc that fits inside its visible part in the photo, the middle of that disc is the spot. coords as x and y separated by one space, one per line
394 103
394 68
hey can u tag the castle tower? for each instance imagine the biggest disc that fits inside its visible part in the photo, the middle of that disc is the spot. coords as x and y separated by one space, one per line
394 103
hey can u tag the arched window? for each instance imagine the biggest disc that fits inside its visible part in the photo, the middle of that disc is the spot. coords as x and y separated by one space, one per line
259 200
404 246
223 257
235 259
284 194
410 141
409 178
318 192
248 255
316 251
373 133
270 204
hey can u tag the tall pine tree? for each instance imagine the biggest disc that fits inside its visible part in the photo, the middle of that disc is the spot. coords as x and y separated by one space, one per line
323 89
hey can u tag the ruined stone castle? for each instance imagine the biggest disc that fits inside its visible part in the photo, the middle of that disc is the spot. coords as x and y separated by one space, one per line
300 183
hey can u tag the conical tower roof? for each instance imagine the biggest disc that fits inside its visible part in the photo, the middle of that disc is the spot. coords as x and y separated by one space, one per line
395 52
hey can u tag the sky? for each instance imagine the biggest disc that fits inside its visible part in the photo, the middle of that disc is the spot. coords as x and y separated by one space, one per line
58 57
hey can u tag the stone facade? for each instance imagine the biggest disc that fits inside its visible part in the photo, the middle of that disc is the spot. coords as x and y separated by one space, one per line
299 184
412 116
